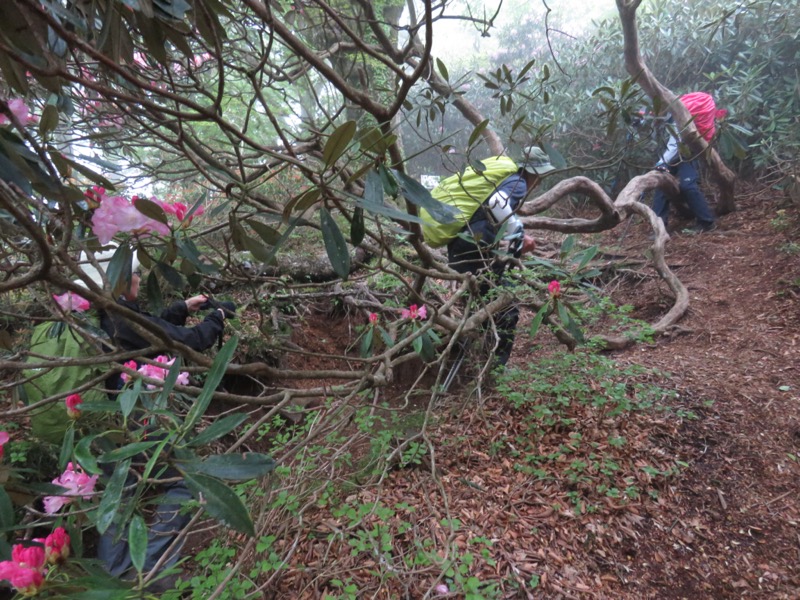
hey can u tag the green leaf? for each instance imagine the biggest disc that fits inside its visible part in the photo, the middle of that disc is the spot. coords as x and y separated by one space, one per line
151 210
389 182
231 467
127 399
127 451
586 256
220 502
137 542
217 429
442 69
238 234
84 456
270 235
537 320
112 497
335 244
215 375
366 342
476 133
357 226
172 276
373 188
49 120
119 268
414 192
338 142
67 447
566 246
7 518
155 298
305 200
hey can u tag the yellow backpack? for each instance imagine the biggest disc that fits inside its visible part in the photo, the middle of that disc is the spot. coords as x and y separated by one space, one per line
466 192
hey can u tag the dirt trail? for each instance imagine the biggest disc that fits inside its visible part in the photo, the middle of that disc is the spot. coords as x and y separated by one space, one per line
731 528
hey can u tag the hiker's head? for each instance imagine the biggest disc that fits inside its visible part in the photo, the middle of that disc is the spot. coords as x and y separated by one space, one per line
103 258
534 164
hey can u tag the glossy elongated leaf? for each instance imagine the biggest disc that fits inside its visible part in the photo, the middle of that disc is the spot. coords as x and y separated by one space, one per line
150 209
112 496
335 244
270 235
220 502
357 226
537 320
215 375
188 249
442 69
66 447
305 200
49 119
386 210
337 144
127 399
217 429
414 192
119 268
257 249
126 451
388 181
7 518
89 174
170 274
476 133
373 188
155 298
232 467
137 542
84 456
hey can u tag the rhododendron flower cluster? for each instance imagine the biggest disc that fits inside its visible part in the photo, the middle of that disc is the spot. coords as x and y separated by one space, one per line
69 301
72 402
25 571
414 312
373 318
156 371
56 546
19 110
118 214
3 441
76 482
554 288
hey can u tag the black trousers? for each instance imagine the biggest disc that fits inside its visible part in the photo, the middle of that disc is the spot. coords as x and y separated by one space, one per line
469 257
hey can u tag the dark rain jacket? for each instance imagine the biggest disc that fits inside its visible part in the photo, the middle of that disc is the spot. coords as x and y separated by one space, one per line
172 321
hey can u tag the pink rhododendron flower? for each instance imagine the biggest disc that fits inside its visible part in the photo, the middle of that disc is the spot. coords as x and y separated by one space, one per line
31 557
95 194
157 372
69 301
373 318
77 483
414 312
117 213
131 364
27 581
4 437
19 109
73 401
56 546
554 288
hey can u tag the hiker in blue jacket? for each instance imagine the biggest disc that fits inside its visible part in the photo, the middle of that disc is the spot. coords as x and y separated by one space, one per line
471 250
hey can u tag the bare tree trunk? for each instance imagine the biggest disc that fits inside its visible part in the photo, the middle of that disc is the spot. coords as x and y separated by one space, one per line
722 175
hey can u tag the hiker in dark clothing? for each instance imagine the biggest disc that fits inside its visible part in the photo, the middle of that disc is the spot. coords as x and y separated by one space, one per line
472 253
167 521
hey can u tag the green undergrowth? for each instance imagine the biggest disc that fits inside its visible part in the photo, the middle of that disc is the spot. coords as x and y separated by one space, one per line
581 428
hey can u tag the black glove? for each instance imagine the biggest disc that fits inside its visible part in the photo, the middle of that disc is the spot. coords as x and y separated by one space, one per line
229 308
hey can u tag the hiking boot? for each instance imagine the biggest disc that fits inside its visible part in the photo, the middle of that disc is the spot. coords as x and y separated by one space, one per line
701 228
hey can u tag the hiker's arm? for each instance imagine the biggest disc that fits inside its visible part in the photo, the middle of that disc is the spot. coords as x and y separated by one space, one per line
176 313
